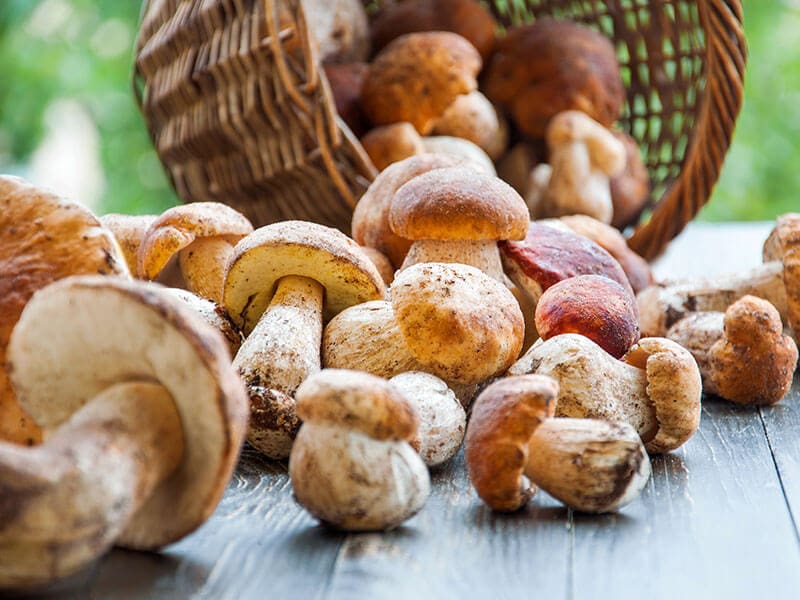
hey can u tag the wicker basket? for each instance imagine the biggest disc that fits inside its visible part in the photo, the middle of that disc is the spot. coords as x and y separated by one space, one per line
240 111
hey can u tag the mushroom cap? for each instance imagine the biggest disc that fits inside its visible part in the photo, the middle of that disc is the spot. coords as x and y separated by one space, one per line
674 386
417 76
472 117
43 238
784 243
472 154
371 215
754 363
297 248
179 226
356 401
129 231
591 305
461 324
345 80
504 416
784 225
458 203
190 359
391 143
550 66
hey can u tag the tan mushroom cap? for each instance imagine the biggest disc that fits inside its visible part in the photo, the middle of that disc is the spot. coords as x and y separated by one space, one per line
43 238
181 225
297 248
417 76
190 360
129 231
504 416
461 324
674 387
389 144
784 244
358 401
458 203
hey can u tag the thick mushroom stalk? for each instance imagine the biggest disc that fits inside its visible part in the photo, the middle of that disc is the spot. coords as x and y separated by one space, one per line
742 354
282 282
141 438
351 465
656 388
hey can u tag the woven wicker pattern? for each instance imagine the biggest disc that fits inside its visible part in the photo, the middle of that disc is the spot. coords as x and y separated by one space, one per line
240 112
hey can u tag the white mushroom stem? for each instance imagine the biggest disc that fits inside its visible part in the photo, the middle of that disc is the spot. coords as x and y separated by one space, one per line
660 307
279 354
203 264
481 254
76 493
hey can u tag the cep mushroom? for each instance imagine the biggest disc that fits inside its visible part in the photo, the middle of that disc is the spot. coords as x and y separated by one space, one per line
129 231
43 238
513 442
656 388
742 353
352 466
213 314
461 148
282 282
202 234
583 156
142 438
391 143
472 117
457 215
630 189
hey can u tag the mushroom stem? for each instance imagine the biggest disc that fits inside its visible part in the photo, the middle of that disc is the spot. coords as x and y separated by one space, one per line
203 265
279 354
66 501
481 254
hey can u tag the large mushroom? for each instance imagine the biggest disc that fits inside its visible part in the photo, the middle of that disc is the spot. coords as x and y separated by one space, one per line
142 437
43 238
282 282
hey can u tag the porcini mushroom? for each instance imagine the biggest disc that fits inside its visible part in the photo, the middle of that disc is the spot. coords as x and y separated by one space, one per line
129 231
460 148
212 313
472 117
142 437
390 143
203 235
351 465
458 215
43 238
742 353
345 80
442 419
513 442
656 388
282 281
630 189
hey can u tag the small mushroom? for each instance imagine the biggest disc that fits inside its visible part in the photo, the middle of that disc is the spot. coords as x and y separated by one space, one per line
352 466
442 419
345 80
583 156
470 152
391 143
742 354
458 215
417 76
472 117
656 388
142 437
593 306
548 67
203 235
513 442
786 227
129 231
43 238
282 281
630 189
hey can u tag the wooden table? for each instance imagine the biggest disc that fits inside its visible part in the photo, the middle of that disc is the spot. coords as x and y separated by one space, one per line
717 520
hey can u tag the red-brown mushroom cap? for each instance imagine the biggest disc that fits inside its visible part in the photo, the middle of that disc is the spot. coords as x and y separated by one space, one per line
504 416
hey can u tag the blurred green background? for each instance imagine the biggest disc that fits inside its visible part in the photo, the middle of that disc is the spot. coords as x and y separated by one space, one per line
68 118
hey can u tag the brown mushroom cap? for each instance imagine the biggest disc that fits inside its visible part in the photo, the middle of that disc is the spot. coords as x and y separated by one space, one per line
297 248
417 76
783 243
458 204
472 117
784 225
461 324
358 401
179 226
504 416
129 231
43 238
593 306
190 360
631 188
346 80
550 66
371 215
391 143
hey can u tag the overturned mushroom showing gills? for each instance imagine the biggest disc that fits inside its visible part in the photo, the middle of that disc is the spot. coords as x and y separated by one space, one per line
43 238
351 465
282 282
142 437
656 388
742 354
